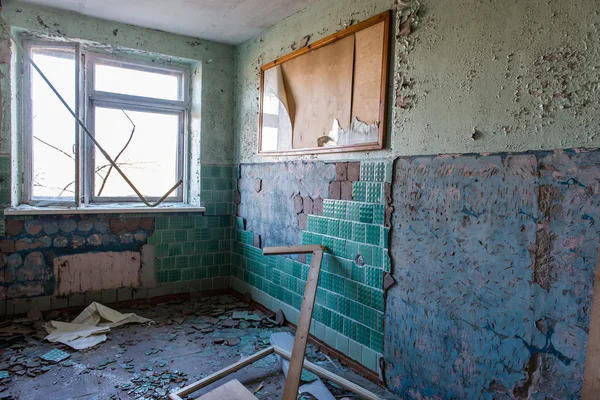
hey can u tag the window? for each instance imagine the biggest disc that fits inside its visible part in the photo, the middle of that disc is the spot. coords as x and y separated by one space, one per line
137 111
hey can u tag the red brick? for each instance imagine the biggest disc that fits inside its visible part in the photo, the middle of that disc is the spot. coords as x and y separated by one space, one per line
302 221
334 190
7 246
28 289
354 171
341 172
298 204
13 227
147 223
307 202
318 206
133 224
116 225
28 244
346 190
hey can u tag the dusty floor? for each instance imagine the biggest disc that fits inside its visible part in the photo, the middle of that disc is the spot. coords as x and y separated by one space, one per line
188 341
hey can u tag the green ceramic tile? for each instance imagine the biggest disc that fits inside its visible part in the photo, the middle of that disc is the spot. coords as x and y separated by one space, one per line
366 252
312 224
328 208
328 242
374 277
350 328
337 322
351 290
345 229
364 295
339 210
356 311
333 227
337 284
321 298
331 300
353 211
363 335
358 232
351 250
387 263
373 234
358 273
367 171
389 171
374 192
187 274
385 238
325 280
343 306
376 342
366 213
175 249
322 226
339 247
378 257
379 172
359 191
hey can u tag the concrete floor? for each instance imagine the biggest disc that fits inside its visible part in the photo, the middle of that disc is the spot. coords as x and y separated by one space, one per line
148 362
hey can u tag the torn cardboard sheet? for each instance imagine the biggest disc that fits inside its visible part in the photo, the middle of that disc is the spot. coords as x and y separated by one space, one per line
357 133
90 327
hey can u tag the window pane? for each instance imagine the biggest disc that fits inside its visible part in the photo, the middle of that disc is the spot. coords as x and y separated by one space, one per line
136 82
150 160
53 127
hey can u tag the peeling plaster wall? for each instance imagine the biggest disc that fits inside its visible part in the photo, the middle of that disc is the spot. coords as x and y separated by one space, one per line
495 258
497 75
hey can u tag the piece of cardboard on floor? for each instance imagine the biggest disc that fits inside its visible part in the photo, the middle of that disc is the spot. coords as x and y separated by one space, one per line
232 390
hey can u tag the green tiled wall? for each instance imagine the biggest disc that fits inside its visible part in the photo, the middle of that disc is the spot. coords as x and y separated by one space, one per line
194 246
350 298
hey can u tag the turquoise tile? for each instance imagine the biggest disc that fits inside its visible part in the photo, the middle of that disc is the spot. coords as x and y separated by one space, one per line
363 335
350 329
331 300
322 226
367 171
345 229
366 213
339 210
359 191
373 234
376 342
366 252
337 322
312 224
374 277
356 311
389 171
351 250
353 211
351 290
364 295
385 236
333 228
374 192
358 273
378 257
358 232
387 263
379 172
329 208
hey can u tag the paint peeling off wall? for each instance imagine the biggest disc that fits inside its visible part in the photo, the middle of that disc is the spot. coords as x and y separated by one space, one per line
82 273
495 260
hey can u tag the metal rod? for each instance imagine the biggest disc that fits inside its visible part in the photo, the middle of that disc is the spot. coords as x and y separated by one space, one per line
85 129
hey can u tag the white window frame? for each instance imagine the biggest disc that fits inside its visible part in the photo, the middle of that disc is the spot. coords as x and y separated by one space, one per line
87 98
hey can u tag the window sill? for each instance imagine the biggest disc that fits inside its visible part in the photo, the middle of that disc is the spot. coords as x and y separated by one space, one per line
116 208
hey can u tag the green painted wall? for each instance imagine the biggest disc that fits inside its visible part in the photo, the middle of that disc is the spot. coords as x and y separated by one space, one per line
523 74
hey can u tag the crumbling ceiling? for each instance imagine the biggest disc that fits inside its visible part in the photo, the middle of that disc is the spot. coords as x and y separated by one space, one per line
226 21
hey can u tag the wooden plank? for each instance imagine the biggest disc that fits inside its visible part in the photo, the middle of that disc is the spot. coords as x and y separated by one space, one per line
292 382
220 374
286 250
323 373
368 73
591 378
232 390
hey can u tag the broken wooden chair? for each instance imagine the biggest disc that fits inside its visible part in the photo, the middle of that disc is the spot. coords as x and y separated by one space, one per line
296 358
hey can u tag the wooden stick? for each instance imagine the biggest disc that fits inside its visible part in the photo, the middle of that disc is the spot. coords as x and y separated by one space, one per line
292 383
177 395
323 373
286 250
591 378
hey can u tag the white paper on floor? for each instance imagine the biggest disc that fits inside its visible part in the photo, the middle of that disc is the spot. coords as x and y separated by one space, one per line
317 388
90 327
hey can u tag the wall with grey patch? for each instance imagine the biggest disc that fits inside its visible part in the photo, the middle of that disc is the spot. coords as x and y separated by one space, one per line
467 76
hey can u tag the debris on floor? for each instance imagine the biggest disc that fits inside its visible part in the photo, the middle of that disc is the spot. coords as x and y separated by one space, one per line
90 327
189 341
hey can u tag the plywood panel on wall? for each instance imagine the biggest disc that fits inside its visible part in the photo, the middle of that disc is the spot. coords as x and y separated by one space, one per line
320 84
367 74
87 272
